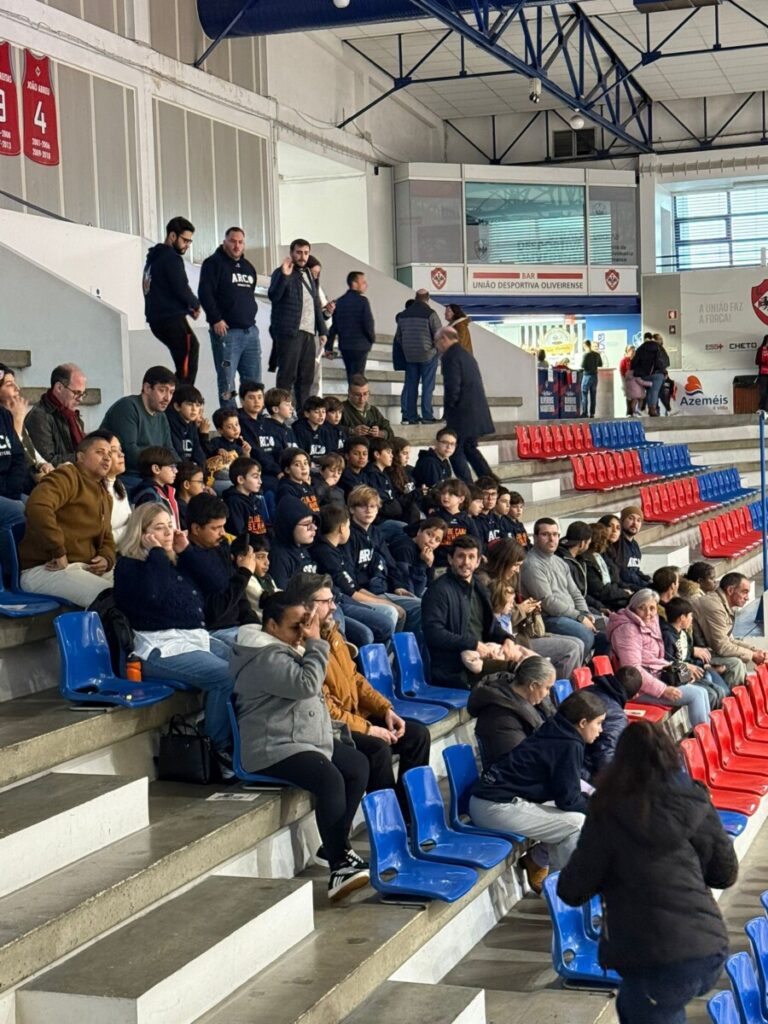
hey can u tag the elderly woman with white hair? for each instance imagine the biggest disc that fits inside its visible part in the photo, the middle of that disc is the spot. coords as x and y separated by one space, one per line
635 637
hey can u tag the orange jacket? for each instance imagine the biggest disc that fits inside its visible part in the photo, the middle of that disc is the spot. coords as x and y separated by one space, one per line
349 696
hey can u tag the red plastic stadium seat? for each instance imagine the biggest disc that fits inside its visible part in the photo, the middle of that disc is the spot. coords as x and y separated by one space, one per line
558 441
601 665
639 712
723 799
537 444
569 440
724 778
579 473
741 717
581 677
523 443
750 755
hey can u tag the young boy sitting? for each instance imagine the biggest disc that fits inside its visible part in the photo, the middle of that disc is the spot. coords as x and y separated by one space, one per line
190 480
296 479
295 531
251 411
509 506
246 511
337 435
677 633
380 457
228 446
488 522
326 478
452 496
274 436
309 430
413 549
356 450
260 582
614 691
433 465
183 415
157 469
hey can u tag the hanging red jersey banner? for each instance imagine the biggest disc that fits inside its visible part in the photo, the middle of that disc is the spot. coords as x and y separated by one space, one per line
41 132
10 136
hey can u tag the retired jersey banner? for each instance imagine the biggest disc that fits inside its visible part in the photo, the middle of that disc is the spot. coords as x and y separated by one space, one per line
10 136
41 132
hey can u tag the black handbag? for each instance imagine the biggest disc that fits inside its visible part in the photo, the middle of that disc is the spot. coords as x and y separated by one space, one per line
676 674
185 754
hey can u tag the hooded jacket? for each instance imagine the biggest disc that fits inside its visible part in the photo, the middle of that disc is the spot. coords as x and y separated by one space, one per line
504 718
628 558
544 767
407 555
166 289
222 586
430 469
286 557
638 644
375 568
279 701
227 290
13 463
600 753
335 561
605 595
185 437
349 696
654 875
245 513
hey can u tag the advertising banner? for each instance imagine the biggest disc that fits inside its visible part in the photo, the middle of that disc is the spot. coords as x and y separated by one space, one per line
508 279
10 136
438 278
724 315
548 398
707 391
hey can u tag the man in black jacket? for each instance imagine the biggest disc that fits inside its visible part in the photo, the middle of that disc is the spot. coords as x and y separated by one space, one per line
457 617
168 298
614 691
466 407
227 284
417 328
296 318
628 553
353 325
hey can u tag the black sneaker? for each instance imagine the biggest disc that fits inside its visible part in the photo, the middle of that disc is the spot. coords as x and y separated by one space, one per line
224 765
356 861
345 879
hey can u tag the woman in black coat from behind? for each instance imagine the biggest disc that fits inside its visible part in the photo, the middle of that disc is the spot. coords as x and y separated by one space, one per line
464 404
652 847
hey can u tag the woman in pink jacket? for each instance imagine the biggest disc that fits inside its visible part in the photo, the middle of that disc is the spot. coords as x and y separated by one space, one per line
635 637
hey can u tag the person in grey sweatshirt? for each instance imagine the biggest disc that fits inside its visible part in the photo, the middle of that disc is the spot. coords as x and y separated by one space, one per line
546 578
286 731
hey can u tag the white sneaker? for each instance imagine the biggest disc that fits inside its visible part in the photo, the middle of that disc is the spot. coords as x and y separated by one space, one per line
346 879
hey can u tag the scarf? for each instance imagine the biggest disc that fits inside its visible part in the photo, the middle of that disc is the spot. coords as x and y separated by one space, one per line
70 415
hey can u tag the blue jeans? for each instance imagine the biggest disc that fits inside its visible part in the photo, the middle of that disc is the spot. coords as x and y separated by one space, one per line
207 671
660 994
694 697
588 393
563 626
426 373
238 351
11 512
412 608
653 392
379 620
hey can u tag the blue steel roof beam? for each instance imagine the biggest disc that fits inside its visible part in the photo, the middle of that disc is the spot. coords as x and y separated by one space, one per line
682 124
654 54
428 54
466 138
436 9
503 21
520 134
734 115
563 38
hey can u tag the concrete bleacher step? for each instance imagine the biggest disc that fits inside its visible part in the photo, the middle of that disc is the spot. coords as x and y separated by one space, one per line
16 358
411 1003
355 949
38 732
189 835
178 960
59 818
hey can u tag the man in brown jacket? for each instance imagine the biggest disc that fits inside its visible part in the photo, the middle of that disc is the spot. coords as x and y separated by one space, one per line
715 614
68 549
377 731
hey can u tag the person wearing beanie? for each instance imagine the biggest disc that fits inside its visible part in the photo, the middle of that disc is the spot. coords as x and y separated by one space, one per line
576 541
628 553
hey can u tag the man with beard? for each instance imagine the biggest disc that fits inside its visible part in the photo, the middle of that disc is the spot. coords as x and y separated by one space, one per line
138 420
628 554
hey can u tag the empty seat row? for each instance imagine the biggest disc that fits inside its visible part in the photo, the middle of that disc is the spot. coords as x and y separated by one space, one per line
723 485
604 471
730 534
667 460
672 501
619 434
558 440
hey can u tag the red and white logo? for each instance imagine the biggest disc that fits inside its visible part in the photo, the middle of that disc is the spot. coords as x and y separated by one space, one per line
760 301
439 277
612 279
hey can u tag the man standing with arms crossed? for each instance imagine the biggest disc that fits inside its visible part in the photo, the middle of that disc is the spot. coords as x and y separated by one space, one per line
296 318
227 284
168 298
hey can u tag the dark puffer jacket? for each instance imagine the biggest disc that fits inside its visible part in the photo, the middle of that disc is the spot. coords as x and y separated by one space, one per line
654 876
504 718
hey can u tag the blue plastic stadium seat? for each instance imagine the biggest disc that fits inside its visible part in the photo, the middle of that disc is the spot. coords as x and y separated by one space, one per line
756 511
411 680
746 990
237 759
461 769
16 603
592 912
378 671
757 932
394 869
733 822
596 430
722 1009
86 669
433 839
764 900
563 688
574 953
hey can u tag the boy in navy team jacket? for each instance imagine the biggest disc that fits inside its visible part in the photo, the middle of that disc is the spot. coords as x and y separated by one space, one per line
182 415
13 472
295 531
310 431
245 505
274 436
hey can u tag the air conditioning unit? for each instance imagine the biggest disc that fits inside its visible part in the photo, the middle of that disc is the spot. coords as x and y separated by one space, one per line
652 6
569 144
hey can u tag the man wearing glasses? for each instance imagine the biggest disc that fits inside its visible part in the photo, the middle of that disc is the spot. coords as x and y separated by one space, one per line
168 298
54 423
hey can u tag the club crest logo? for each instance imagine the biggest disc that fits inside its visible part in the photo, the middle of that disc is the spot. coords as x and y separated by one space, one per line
612 279
760 301
440 277
693 386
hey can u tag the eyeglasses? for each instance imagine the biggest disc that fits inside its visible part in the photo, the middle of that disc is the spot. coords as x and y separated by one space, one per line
185 240
75 394
323 600
311 525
